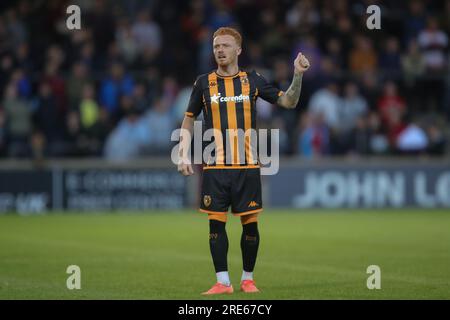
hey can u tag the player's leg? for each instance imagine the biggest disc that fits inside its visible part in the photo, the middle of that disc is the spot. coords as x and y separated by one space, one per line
249 248
218 244
247 203
215 202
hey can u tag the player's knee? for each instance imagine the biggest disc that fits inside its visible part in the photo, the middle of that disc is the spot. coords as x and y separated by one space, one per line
250 227
216 226
218 217
250 218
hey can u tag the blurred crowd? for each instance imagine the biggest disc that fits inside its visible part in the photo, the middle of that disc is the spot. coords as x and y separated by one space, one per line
118 87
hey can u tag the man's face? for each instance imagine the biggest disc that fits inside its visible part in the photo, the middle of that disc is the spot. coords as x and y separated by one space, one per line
226 50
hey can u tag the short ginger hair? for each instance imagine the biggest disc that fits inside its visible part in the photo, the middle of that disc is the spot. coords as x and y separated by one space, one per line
231 32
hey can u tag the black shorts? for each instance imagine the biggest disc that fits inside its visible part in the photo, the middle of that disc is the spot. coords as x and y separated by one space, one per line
240 188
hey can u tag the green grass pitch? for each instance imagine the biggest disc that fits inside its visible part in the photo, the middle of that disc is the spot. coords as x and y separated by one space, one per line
320 254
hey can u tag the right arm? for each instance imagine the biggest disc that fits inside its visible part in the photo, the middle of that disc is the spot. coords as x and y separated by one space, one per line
187 127
184 164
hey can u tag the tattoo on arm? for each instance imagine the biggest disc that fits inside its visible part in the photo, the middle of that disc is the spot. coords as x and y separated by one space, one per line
290 98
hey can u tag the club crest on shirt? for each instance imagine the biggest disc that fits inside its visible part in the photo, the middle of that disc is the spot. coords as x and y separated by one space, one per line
244 80
212 84
207 200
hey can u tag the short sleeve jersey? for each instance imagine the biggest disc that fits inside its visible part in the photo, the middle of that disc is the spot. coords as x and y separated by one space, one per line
229 106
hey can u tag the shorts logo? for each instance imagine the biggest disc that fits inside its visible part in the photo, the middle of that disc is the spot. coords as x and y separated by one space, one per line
253 204
207 201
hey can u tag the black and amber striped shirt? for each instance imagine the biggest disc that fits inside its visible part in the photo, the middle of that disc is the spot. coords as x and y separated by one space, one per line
228 104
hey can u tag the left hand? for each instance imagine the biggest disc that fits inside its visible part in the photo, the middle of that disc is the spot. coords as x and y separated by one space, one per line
301 64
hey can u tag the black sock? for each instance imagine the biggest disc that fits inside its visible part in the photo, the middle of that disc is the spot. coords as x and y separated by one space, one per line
218 244
249 245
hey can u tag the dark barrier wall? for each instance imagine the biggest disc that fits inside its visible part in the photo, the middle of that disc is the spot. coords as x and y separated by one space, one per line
25 191
361 186
122 189
30 191
96 186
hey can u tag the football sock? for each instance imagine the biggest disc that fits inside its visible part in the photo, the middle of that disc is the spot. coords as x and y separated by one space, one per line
249 245
247 275
218 244
223 278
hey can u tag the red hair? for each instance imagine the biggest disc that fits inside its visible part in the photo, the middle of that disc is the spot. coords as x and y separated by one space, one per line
231 32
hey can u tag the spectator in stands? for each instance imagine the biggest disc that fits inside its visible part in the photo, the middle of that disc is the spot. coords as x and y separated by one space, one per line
114 55
436 140
140 97
395 127
370 89
390 62
335 53
88 108
103 24
271 34
126 104
302 17
22 82
326 74
116 85
128 138
152 83
414 21
78 77
97 134
413 68
169 92
18 125
23 58
16 28
361 137
309 47
161 123
126 41
434 43
57 85
6 69
146 33
392 108
73 136
220 15
255 56
314 136
379 143
363 57
3 142
412 139
47 119
343 31
326 102
391 105
443 15
353 107
87 55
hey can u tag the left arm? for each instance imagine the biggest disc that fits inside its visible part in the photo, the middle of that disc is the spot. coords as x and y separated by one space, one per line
289 99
